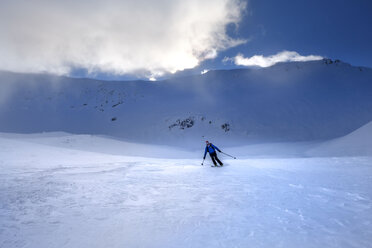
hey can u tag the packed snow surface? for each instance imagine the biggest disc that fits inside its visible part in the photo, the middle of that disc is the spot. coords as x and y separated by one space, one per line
62 190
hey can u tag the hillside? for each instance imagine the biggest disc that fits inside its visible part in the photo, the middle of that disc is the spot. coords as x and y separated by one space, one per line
357 143
299 101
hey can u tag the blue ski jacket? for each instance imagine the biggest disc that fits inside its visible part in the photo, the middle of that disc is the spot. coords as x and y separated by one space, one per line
211 149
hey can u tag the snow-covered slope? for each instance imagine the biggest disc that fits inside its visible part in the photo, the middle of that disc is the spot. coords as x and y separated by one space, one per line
95 144
287 102
357 143
60 190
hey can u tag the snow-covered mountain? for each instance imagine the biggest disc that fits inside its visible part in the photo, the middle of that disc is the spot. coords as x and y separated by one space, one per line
356 143
63 189
298 101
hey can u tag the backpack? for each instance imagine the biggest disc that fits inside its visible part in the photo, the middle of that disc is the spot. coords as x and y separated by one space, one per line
214 150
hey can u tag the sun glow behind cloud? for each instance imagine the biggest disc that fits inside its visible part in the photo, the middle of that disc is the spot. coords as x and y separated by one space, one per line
112 36
261 61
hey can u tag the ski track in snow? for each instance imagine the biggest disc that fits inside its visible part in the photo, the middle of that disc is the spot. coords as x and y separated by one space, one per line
145 202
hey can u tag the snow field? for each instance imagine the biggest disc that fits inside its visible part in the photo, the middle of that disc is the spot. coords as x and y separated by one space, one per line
55 194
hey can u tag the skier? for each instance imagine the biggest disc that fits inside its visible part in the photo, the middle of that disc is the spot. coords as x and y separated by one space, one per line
212 152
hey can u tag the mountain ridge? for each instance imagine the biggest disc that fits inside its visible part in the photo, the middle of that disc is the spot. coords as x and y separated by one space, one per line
181 74
298 101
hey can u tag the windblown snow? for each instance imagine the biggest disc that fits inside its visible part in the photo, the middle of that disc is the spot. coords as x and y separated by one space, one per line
86 163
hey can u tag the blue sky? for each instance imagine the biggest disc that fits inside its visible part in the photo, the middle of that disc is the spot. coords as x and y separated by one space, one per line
124 39
333 28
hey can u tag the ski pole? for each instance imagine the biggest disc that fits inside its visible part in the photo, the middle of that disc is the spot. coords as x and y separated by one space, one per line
229 155
203 161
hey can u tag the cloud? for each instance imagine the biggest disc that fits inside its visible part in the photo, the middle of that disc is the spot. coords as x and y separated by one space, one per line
261 61
114 36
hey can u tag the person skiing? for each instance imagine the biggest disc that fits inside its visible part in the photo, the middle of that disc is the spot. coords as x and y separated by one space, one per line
212 152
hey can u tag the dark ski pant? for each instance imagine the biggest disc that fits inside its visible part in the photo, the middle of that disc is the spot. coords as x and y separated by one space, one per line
214 158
